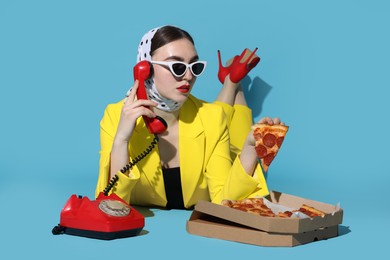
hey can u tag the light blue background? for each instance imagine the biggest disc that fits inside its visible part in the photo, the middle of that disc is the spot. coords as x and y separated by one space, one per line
324 71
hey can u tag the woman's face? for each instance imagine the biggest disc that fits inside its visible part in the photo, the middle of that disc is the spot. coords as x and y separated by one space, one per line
168 85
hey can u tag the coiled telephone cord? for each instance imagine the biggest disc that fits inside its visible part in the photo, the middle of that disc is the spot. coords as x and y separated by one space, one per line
131 164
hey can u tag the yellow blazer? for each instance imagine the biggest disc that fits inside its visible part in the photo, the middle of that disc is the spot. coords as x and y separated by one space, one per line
206 168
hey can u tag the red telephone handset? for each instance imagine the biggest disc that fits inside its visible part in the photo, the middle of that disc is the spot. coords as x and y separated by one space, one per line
142 71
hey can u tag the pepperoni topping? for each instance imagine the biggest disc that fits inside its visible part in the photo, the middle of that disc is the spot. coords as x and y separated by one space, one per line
279 141
244 206
269 140
261 151
241 208
269 158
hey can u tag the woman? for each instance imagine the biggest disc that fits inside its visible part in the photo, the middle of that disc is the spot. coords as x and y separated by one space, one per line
192 160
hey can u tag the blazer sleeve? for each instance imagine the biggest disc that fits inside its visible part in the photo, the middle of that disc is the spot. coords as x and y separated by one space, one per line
227 179
108 128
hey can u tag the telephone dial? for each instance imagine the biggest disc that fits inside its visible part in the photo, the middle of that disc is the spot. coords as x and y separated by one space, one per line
109 217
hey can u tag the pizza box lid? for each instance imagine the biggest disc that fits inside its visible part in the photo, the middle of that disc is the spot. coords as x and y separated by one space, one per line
333 217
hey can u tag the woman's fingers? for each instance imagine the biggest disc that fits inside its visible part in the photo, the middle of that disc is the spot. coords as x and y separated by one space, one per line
276 121
136 111
132 109
268 120
138 108
132 93
141 102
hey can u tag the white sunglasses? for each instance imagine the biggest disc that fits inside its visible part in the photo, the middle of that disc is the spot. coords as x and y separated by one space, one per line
179 68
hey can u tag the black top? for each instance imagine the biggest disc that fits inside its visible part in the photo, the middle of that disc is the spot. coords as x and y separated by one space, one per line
173 189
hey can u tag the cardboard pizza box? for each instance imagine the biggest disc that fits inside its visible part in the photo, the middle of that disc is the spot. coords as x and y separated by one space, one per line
279 225
217 221
207 226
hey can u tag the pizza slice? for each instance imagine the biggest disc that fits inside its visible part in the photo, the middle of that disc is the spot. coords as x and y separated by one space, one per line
251 205
258 206
285 214
269 139
311 211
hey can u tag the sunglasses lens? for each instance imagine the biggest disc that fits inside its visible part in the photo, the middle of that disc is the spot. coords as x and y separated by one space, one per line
179 69
197 68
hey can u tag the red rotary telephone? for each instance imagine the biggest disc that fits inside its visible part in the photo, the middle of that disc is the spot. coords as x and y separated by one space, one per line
109 217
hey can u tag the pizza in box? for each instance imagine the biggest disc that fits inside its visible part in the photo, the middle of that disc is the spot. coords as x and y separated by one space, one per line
262 207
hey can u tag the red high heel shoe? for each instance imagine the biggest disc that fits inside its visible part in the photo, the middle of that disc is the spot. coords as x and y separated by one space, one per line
238 69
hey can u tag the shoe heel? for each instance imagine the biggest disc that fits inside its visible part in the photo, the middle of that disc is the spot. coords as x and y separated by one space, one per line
222 71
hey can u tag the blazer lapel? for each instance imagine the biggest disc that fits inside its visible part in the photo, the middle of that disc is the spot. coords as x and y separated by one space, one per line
191 148
150 166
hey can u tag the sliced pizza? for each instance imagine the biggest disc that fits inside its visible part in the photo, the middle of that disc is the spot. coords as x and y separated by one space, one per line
285 214
311 211
269 139
258 206
250 205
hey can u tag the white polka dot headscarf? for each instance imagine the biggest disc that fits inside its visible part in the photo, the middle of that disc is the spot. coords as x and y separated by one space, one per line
153 94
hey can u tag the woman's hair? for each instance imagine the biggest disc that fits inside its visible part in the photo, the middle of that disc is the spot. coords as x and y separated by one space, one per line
168 34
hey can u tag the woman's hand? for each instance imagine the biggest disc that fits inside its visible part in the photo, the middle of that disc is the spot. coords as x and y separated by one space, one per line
132 109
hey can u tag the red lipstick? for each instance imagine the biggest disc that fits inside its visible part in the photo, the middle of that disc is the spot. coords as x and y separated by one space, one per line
184 88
